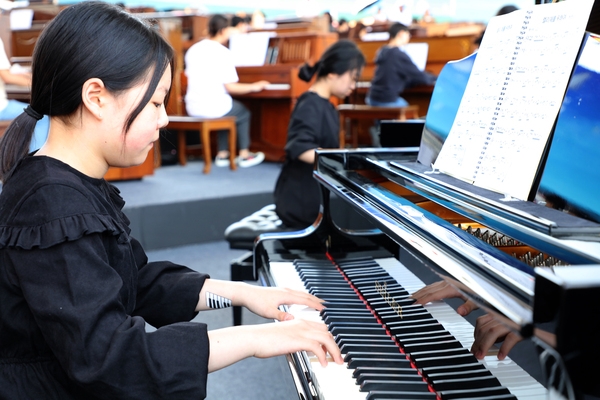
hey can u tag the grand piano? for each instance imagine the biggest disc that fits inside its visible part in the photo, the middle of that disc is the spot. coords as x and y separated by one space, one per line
533 264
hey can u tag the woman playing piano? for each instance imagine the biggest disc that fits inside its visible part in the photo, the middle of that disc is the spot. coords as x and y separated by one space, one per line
314 124
76 290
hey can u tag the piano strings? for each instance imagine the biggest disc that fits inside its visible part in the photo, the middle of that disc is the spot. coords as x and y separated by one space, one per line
518 250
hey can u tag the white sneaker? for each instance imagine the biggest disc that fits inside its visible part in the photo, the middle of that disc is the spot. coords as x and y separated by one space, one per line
222 161
251 160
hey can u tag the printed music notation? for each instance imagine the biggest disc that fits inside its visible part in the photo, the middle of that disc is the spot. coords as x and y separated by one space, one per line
513 96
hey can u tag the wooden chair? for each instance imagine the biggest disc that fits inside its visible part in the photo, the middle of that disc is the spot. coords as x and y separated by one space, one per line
180 122
350 113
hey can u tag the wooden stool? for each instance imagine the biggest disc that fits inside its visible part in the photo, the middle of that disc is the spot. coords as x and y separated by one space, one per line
204 126
349 113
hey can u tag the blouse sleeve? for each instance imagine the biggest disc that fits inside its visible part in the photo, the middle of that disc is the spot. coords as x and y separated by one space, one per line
79 302
167 292
304 130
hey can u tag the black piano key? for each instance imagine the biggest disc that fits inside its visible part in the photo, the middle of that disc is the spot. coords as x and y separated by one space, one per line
470 373
342 297
407 371
367 281
355 262
341 342
336 330
344 304
428 339
373 355
384 304
341 324
406 376
370 276
444 360
343 319
395 395
486 393
390 319
399 385
452 369
440 353
385 362
370 347
433 346
335 291
391 290
477 382
401 336
327 312
419 328
411 320
346 338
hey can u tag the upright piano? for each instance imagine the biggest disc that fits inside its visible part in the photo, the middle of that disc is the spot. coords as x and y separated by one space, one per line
532 264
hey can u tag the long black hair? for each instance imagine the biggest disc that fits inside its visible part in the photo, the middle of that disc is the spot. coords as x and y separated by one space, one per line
87 40
339 58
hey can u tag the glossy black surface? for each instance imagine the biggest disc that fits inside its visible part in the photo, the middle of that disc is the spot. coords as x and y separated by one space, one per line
571 177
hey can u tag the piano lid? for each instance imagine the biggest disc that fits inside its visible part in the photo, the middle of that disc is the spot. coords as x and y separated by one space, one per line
565 181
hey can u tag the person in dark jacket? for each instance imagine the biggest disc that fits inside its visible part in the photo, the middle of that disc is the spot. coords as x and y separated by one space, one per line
394 71
76 289
314 124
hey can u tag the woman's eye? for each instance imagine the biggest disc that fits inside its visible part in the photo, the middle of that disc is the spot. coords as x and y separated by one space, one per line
158 105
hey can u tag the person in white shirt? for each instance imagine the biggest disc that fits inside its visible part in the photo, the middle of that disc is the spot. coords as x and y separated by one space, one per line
212 79
10 109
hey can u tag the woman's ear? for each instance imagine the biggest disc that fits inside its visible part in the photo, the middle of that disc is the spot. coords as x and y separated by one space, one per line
94 96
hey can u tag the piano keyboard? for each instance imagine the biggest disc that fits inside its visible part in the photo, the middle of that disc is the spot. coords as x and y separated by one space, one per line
435 339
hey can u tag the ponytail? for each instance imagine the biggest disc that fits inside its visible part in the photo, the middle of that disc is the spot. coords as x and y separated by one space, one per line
307 72
14 145
339 58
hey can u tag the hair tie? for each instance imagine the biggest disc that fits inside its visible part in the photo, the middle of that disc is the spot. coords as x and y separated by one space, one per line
32 113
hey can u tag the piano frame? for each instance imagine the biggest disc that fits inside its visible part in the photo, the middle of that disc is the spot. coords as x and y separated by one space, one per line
413 212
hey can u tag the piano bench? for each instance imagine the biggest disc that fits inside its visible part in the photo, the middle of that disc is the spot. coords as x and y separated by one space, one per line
350 113
241 235
183 123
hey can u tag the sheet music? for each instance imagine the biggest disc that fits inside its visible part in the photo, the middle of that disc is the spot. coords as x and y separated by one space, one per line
513 96
249 49
418 54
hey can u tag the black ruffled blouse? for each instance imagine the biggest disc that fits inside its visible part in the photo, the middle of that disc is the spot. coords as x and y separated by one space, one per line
75 290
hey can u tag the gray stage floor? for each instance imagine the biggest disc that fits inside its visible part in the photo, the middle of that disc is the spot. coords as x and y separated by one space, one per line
176 183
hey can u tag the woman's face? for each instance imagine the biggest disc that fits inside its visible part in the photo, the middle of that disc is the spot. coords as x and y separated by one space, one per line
131 148
342 85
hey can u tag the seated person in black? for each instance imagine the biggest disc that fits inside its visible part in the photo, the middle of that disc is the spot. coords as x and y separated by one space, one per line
76 289
314 124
